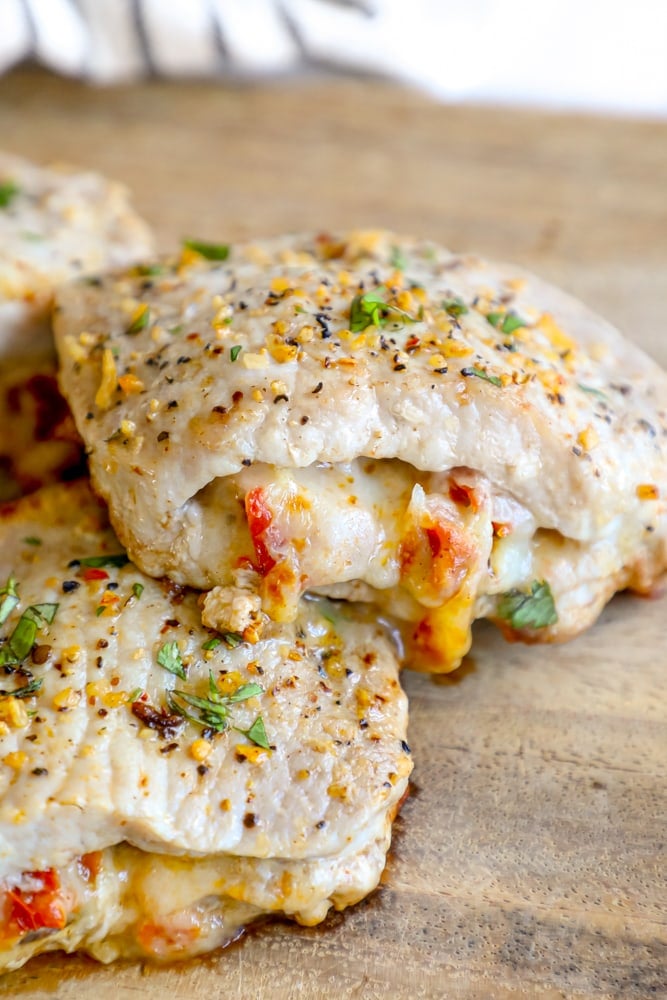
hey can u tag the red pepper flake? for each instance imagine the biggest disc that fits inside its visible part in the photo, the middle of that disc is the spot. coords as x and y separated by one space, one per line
95 574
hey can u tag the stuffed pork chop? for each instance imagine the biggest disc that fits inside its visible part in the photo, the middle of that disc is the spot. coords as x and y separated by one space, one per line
55 224
377 418
163 785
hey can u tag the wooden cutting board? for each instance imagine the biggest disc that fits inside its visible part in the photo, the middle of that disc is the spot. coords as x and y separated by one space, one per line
530 859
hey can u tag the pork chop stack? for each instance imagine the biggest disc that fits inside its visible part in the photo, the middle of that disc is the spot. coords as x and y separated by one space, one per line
56 224
163 785
376 419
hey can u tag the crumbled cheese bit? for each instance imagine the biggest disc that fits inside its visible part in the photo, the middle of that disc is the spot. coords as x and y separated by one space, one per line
109 381
130 384
648 491
67 698
200 750
14 713
16 759
588 438
279 350
280 284
76 351
127 428
254 361
72 653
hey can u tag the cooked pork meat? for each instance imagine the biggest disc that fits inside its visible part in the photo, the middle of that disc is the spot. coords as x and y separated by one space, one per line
376 418
55 224
163 784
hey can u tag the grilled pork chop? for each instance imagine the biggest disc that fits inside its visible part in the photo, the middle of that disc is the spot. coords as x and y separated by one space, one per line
374 418
55 224
163 784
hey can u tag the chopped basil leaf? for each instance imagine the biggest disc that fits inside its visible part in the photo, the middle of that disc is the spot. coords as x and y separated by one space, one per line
140 321
370 309
97 562
23 637
480 373
137 590
212 643
455 307
245 692
592 392
234 351
257 733
169 657
8 191
26 691
10 599
535 609
214 710
32 540
211 251
233 639
505 322
398 259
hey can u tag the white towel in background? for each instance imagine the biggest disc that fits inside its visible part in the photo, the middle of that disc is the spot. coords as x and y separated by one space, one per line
604 55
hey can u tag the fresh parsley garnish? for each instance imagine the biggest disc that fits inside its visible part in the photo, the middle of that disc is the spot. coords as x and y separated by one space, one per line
233 639
140 321
32 540
592 392
211 643
532 609
505 322
455 307
97 562
371 309
398 259
23 637
480 373
257 733
214 709
211 251
25 691
10 599
169 657
137 590
8 191
234 352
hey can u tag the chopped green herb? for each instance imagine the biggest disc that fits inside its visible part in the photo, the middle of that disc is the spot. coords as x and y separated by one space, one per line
140 322
148 270
257 733
25 691
8 191
97 562
246 691
100 609
505 322
134 695
137 590
398 259
23 637
480 373
370 309
32 540
211 251
455 307
233 639
169 657
176 329
10 599
214 710
212 643
535 609
234 351
593 392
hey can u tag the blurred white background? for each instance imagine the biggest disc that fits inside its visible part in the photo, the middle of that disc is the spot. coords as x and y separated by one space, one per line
593 55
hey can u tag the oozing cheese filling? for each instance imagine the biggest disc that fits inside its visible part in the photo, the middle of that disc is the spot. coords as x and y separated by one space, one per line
124 902
436 550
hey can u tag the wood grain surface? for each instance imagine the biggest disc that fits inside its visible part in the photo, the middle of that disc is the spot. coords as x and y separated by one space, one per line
530 859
